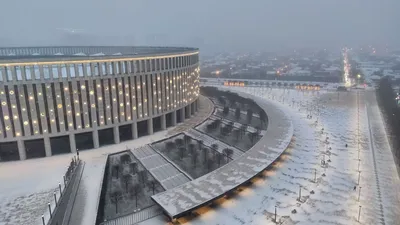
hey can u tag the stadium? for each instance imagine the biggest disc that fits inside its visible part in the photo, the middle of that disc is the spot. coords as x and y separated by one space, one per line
58 100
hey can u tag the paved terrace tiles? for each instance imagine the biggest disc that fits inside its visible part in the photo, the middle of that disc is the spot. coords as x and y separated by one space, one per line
166 173
179 200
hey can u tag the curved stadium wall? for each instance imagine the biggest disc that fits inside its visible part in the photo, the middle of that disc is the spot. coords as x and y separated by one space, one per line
60 99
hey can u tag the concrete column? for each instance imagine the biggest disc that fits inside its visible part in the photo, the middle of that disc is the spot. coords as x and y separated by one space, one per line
95 135
173 118
72 143
183 116
134 130
150 126
116 135
21 149
47 146
189 108
163 122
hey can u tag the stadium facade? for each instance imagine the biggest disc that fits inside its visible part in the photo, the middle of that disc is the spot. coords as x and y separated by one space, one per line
60 99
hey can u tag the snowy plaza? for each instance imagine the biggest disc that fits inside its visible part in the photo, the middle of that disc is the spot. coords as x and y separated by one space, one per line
338 169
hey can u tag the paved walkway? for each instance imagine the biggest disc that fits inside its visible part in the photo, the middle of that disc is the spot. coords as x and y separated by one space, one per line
162 170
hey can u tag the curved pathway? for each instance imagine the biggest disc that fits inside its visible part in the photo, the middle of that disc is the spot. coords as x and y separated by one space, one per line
177 201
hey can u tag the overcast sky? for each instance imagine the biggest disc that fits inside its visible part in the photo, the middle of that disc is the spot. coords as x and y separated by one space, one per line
223 24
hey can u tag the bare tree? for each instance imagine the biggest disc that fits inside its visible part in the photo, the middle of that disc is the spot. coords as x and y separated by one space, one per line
192 148
221 100
228 152
179 142
182 151
152 183
126 179
125 159
237 114
219 157
134 167
194 158
199 144
236 134
263 116
170 145
205 155
210 163
249 115
143 176
252 137
116 170
225 112
187 139
115 197
135 190
215 146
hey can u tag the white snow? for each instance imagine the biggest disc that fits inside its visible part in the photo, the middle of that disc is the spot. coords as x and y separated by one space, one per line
80 54
27 184
334 201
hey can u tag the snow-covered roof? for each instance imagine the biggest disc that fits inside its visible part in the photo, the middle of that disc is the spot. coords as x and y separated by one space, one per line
80 54
193 194
98 54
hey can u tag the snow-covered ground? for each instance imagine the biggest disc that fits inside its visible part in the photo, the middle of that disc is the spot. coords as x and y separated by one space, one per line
27 186
351 118
347 118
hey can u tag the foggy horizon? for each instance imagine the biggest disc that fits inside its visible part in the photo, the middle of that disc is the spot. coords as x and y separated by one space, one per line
225 26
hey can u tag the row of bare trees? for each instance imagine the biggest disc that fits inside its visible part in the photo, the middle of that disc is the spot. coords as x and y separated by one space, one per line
195 148
230 100
228 129
129 180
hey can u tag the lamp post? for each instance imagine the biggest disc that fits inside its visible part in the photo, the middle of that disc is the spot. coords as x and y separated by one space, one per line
48 205
299 193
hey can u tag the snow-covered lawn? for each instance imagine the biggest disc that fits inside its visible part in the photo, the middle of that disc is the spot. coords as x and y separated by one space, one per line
347 118
27 186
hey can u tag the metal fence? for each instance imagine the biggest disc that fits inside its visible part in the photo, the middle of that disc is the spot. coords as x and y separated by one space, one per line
60 208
